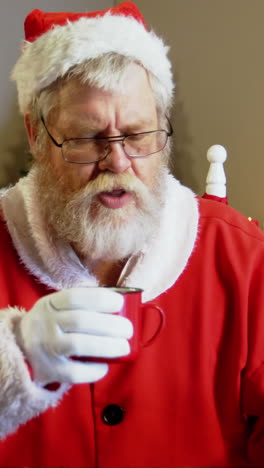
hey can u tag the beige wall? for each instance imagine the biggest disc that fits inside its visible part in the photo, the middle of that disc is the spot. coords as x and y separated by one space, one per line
217 49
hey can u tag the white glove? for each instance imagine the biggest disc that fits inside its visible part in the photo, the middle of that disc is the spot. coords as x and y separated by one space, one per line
73 322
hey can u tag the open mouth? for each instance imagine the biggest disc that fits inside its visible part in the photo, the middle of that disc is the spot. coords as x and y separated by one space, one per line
115 193
114 199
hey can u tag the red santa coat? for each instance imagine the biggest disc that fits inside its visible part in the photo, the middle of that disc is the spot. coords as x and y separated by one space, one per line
193 398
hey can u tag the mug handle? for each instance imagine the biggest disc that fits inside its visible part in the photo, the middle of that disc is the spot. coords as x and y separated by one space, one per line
160 326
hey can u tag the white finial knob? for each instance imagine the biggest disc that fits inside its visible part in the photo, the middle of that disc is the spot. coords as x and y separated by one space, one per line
216 179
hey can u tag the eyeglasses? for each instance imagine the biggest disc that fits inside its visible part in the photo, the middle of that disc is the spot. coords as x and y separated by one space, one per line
91 150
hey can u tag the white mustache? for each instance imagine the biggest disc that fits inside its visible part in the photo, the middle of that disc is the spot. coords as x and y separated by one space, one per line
106 182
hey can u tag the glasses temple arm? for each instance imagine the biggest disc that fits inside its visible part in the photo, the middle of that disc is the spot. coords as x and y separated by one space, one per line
59 145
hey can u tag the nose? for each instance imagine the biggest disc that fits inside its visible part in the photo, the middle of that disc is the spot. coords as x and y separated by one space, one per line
116 161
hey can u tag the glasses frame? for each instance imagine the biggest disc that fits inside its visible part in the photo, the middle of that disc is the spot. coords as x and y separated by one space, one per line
109 139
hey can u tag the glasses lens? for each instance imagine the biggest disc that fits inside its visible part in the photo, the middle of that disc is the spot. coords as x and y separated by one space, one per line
145 143
82 150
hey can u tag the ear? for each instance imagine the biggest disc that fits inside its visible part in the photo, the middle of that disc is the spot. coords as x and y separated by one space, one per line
31 131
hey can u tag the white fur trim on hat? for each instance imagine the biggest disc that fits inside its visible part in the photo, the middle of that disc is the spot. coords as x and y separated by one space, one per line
56 51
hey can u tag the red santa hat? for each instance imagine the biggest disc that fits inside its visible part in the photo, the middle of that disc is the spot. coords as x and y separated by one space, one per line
55 42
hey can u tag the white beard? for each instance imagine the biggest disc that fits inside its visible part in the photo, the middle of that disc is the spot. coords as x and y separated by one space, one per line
97 232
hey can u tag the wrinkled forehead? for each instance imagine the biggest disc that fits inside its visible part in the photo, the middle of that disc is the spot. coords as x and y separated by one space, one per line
132 90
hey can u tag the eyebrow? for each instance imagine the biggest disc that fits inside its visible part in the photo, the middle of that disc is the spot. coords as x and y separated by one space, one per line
89 124
81 125
144 124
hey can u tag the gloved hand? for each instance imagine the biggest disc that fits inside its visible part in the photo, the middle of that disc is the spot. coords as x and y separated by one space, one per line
73 322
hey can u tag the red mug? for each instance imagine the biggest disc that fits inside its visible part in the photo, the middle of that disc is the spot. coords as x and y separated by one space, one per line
137 312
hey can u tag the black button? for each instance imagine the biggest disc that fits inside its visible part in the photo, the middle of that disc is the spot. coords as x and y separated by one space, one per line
112 415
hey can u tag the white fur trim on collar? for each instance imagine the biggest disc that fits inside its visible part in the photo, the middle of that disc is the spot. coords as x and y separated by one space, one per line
154 270
159 267
59 49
